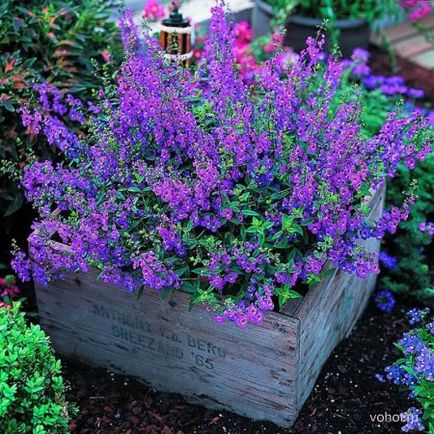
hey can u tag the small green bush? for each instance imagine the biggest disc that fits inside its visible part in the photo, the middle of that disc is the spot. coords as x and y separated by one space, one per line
32 391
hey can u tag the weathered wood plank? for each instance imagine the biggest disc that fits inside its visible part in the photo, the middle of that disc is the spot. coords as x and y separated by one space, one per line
402 31
408 43
328 314
410 47
250 371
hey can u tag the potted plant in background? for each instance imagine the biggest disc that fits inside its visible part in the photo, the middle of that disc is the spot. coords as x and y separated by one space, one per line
235 197
347 22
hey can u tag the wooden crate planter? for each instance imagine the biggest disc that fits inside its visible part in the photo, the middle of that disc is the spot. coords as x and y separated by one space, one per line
263 372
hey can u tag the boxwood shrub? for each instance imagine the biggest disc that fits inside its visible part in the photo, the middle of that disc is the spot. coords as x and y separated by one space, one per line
32 390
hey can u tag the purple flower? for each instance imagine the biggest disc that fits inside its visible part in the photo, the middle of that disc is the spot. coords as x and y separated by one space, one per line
389 261
380 378
360 54
425 363
415 93
427 227
395 374
205 183
22 266
410 344
412 419
415 369
430 327
416 315
385 301
373 81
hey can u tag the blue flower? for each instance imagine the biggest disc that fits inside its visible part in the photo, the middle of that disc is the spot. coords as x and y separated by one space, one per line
416 315
412 419
389 261
380 378
385 301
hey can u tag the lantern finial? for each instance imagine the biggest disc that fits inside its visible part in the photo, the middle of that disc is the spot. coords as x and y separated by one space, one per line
175 36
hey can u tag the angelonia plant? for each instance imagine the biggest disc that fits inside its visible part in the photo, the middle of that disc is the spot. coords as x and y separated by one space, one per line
32 391
196 181
415 370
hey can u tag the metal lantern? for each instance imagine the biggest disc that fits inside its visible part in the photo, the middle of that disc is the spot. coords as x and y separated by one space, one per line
175 37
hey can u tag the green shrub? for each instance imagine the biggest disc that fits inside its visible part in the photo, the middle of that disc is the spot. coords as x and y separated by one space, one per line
32 391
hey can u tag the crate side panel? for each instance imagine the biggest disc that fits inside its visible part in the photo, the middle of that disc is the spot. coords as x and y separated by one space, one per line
249 371
329 312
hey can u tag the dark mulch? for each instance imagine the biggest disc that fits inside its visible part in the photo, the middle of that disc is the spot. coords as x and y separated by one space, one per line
345 398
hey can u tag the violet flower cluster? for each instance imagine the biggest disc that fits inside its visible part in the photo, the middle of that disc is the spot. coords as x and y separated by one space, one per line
415 370
389 86
196 181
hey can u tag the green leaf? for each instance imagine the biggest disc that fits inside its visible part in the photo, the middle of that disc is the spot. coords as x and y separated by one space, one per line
284 294
250 213
139 292
182 270
14 206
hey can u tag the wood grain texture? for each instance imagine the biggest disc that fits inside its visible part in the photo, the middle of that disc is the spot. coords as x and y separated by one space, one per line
412 46
403 30
249 371
329 312
264 372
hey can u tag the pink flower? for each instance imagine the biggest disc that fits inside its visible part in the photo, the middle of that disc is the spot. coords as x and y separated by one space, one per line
106 56
419 8
420 12
408 3
243 33
274 44
286 58
154 11
174 4
8 288
197 53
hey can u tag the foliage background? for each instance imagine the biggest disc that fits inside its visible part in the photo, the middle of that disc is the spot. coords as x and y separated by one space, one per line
44 40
